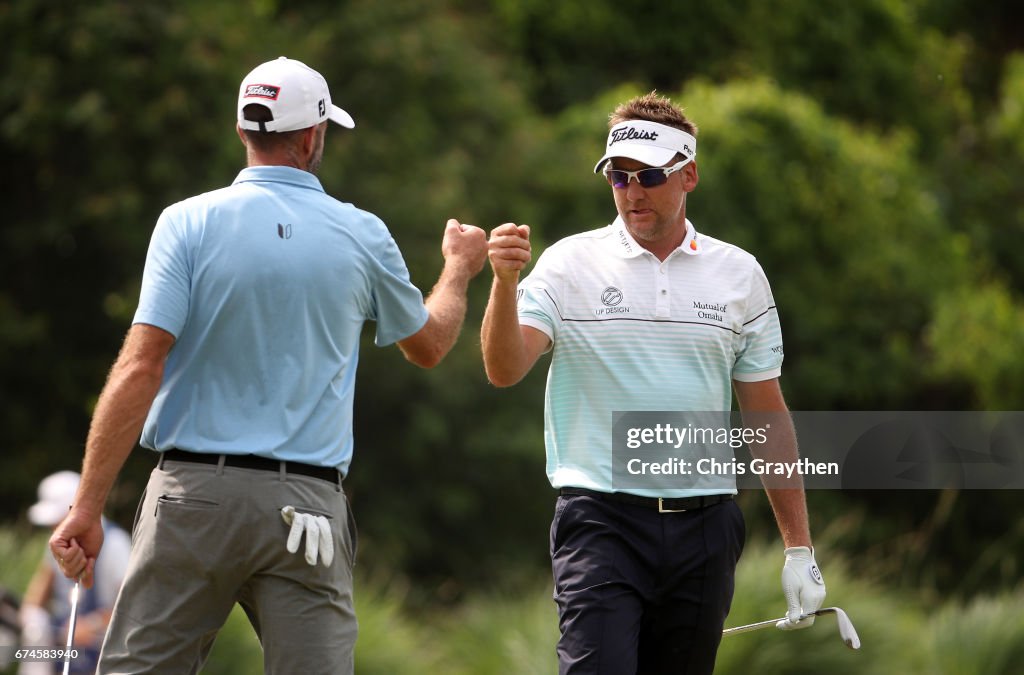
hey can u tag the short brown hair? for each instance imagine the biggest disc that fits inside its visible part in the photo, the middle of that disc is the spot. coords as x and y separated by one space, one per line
653 108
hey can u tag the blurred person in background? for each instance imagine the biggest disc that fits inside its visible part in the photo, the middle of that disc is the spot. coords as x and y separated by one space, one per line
46 607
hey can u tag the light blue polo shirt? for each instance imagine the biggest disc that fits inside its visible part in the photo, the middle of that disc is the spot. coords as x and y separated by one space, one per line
633 333
265 285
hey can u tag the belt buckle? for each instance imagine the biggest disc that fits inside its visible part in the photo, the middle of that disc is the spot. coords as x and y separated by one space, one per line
662 509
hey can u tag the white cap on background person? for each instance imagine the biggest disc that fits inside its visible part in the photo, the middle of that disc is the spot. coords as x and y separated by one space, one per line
56 493
648 142
296 95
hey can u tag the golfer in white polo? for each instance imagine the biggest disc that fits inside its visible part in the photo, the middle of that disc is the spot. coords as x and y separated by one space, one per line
645 314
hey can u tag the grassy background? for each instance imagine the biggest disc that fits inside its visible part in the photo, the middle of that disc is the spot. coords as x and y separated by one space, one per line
515 632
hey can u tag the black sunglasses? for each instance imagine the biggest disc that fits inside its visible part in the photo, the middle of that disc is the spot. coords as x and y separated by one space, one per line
648 178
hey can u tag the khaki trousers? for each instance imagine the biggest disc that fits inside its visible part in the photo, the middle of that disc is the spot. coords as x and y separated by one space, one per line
208 536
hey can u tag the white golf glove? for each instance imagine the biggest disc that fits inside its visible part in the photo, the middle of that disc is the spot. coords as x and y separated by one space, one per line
803 586
318 535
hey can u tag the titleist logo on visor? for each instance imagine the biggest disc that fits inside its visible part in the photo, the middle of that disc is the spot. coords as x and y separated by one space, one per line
262 91
631 134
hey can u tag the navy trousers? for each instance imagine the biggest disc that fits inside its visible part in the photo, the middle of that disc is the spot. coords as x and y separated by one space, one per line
640 591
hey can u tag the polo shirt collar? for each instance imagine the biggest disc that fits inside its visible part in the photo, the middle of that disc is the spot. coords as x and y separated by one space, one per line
279 174
626 246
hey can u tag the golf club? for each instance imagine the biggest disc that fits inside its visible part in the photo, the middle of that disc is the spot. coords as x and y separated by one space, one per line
846 629
71 624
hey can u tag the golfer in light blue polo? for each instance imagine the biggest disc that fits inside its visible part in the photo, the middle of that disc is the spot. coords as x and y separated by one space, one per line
240 370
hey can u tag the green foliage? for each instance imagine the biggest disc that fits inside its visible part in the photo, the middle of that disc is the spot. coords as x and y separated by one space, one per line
492 633
980 182
976 335
20 552
96 138
237 649
983 638
840 218
389 641
872 61
431 522
868 153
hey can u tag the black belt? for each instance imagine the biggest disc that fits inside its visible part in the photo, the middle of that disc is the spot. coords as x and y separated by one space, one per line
662 504
326 473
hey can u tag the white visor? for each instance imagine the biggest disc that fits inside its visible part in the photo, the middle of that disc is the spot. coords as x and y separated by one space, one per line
648 142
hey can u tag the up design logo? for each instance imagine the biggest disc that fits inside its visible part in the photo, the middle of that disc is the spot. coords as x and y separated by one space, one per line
611 296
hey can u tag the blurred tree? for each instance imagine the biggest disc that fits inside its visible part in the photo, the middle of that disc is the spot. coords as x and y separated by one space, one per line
841 219
108 112
875 62
980 181
977 335
991 29
865 152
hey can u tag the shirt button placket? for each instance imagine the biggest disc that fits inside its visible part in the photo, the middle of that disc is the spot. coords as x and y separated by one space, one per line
662 300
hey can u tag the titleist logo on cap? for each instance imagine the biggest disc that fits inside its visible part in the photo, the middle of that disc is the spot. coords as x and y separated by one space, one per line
262 91
631 134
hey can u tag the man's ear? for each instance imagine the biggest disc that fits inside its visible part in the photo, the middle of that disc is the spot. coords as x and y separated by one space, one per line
309 140
690 177
241 135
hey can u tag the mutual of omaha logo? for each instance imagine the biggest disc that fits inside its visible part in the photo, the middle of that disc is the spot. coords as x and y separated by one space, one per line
715 311
611 296
262 91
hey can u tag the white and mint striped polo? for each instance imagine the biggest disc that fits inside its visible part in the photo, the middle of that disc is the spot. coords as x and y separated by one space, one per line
632 333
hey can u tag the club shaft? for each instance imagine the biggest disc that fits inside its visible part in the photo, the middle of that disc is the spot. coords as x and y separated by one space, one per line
71 625
769 622
751 626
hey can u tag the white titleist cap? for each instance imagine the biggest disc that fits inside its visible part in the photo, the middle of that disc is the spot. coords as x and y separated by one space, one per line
648 142
56 492
296 95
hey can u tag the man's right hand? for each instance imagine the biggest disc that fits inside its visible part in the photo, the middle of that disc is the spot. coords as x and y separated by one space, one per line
465 246
75 544
509 250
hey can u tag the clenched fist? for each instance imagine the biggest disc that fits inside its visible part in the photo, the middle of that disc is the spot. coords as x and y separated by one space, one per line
509 250
465 246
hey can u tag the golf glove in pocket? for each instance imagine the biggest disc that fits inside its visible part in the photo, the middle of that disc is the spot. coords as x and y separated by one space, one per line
318 535
803 587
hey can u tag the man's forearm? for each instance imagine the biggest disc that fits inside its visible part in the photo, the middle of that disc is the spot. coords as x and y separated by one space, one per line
117 423
790 508
447 305
786 495
500 335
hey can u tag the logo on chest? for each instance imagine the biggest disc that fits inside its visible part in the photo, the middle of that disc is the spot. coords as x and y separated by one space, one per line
710 311
611 298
